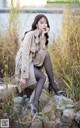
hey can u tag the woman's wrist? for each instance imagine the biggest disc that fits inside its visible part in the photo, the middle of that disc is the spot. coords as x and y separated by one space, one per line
43 35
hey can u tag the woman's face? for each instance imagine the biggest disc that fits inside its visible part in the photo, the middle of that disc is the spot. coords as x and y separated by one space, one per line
42 24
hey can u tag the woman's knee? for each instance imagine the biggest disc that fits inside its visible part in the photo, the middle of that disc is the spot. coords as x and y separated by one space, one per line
43 77
39 74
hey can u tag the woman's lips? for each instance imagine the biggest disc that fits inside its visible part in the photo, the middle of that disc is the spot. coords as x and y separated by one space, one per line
44 29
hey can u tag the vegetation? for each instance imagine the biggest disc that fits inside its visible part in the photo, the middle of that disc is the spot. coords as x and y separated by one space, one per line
9 42
9 45
66 55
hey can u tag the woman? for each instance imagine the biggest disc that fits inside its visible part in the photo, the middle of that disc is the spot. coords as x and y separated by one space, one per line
32 56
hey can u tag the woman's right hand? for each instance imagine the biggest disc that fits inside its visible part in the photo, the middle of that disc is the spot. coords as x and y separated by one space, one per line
23 83
46 30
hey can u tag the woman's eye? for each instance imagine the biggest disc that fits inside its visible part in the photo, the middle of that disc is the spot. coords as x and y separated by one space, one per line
41 22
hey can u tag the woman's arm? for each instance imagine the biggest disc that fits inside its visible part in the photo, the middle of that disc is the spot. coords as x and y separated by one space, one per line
25 61
25 56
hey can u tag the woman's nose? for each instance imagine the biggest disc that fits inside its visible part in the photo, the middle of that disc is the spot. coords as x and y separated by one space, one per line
45 25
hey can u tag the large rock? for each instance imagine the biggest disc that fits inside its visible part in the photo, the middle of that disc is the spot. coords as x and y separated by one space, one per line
44 98
68 116
63 102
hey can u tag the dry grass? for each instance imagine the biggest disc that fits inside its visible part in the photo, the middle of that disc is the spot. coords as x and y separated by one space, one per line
9 41
66 55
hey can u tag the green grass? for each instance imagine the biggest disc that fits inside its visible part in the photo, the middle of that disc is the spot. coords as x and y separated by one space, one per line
62 2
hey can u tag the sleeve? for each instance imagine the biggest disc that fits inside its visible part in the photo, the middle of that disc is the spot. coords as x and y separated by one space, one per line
25 56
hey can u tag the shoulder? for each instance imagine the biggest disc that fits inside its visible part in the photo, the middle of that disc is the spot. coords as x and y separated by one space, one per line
29 34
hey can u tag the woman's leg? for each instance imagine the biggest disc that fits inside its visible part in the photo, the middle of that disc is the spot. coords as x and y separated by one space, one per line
40 77
48 67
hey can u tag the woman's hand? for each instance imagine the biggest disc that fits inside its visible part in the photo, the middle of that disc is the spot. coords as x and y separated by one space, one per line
23 83
45 30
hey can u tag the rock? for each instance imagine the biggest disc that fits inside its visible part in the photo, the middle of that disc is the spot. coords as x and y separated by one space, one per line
37 124
51 124
77 117
44 98
17 108
1 80
24 97
50 110
2 88
47 109
18 125
50 113
58 123
18 100
77 106
48 124
68 116
1 105
63 102
46 119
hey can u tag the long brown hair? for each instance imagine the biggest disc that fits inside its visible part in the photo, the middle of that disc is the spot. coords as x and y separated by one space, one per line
37 18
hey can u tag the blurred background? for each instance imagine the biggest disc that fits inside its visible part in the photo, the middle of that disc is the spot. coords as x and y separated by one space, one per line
54 12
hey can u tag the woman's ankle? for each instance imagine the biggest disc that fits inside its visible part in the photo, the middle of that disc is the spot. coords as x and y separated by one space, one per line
52 87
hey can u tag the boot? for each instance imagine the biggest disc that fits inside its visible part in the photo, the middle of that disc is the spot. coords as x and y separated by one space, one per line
57 92
33 109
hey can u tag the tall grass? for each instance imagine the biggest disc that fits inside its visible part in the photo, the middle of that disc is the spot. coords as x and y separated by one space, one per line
66 55
9 41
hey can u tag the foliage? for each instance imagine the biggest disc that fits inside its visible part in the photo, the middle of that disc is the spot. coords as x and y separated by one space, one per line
66 55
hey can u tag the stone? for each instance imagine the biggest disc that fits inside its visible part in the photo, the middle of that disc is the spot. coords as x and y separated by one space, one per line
36 124
77 106
68 116
58 123
63 102
18 100
51 124
24 97
77 117
17 108
44 98
47 109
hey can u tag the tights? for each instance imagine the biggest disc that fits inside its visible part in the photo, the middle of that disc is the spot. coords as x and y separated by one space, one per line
40 77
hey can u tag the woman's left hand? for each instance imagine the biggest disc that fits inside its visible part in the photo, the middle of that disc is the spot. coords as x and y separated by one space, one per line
23 83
